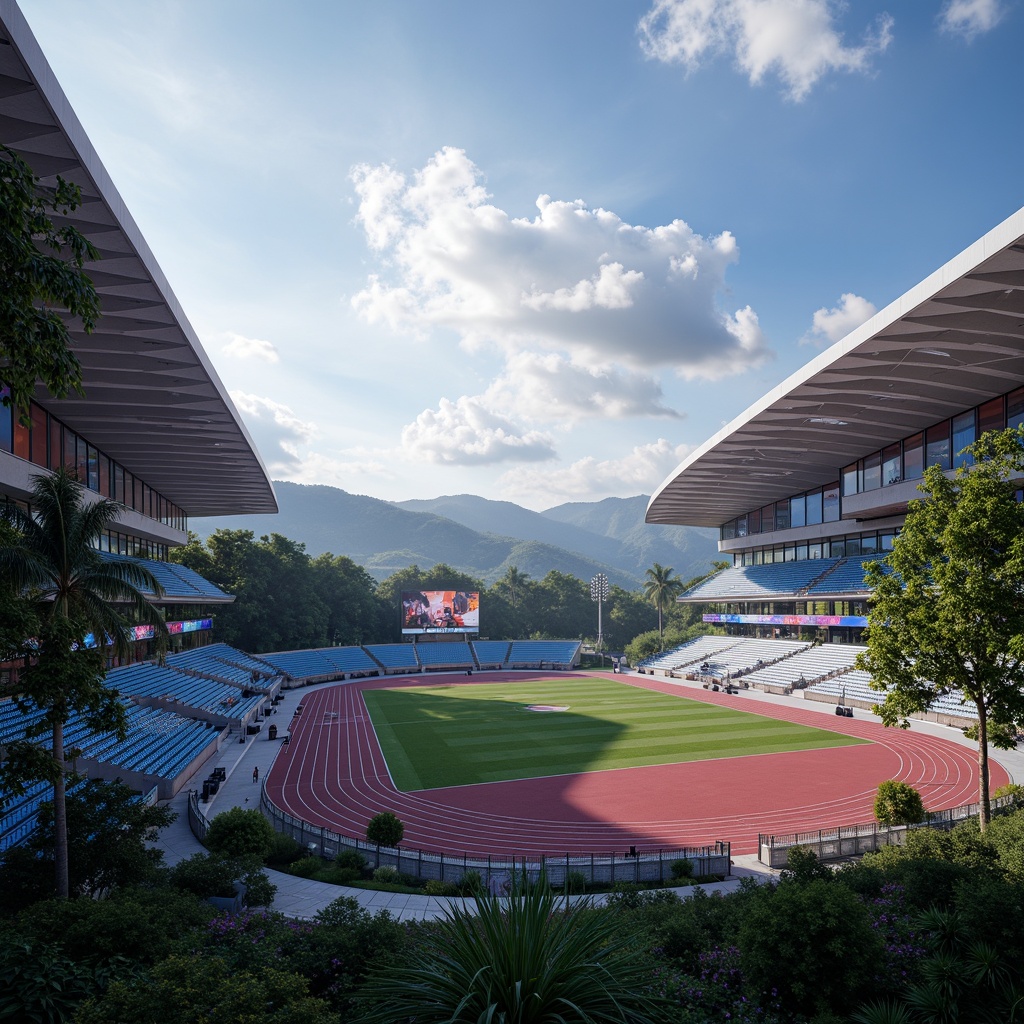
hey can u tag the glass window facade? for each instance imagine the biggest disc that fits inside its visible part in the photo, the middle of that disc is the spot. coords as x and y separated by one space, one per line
47 442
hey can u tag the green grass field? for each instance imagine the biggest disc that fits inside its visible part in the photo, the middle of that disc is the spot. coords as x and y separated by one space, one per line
471 733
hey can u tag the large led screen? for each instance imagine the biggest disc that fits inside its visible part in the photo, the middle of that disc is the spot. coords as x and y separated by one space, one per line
440 611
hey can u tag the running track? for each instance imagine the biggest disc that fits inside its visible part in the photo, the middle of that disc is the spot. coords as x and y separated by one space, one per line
332 773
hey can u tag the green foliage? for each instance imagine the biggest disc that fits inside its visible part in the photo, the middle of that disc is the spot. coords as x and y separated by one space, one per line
813 942
661 587
385 829
240 833
42 984
516 960
204 875
51 556
898 803
350 858
575 883
386 873
471 884
186 989
946 612
306 867
682 868
141 923
283 851
41 266
803 866
435 887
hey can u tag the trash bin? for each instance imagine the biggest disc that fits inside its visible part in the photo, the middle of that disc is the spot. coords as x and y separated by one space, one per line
206 791
272 732
287 738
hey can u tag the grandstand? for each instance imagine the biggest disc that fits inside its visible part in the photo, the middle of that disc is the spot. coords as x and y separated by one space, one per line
813 480
446 654
561 654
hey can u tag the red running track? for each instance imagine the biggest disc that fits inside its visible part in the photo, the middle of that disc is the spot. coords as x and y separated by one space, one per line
332 773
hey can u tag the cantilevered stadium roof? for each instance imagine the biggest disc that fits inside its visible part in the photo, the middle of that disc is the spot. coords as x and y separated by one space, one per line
152 399
950 343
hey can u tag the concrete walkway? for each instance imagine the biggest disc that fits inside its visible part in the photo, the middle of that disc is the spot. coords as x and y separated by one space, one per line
303 897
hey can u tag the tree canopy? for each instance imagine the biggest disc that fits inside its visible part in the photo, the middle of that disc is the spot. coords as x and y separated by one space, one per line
41 268
948 607
52 563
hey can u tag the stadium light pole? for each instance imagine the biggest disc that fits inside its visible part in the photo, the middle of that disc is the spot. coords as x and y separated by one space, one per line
599 593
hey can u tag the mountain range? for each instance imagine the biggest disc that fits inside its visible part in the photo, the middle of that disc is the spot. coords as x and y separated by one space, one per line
478 536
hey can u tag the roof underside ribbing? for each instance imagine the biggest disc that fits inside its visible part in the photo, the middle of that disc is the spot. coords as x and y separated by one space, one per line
152 399
950 343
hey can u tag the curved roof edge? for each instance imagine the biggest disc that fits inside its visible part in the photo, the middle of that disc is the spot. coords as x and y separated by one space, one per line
949 343
153 400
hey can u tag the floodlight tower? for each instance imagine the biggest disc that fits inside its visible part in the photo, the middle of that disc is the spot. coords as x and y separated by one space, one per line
599 593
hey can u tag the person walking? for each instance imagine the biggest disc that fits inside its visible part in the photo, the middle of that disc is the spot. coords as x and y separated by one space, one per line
256 774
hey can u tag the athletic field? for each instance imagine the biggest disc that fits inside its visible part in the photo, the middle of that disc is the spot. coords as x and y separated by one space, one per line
466 734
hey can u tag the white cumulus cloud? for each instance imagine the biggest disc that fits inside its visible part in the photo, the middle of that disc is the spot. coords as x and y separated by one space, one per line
831 325
467 433
279 434
969 18
547 387
574 279
240 347
642 470
794 39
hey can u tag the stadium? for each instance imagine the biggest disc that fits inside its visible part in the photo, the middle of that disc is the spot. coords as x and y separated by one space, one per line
803 487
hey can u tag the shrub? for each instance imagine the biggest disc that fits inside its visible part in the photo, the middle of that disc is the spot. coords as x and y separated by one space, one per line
435 887
306 867
283 851
1014 790
259 889
803 865
898 803
351 860
387 874
682 868
240 833
575 883
471 883
385 829
204 875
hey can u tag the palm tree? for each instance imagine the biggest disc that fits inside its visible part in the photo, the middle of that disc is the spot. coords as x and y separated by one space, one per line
52 559
661 585
514 581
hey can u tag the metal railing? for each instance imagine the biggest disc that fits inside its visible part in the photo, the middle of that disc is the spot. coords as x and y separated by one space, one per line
853 840
635 866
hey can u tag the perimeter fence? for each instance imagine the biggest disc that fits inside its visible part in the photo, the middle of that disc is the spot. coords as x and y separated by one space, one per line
500 868
853 840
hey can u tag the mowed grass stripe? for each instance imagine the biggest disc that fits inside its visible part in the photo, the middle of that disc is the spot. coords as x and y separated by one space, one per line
465 734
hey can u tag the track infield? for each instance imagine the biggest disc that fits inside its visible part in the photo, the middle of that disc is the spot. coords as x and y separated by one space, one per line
464 734
333 774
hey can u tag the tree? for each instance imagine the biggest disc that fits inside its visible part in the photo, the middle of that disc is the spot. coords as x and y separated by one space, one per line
54 560
513 581
948 606
898 803
41 268
385 829
661 585
240 833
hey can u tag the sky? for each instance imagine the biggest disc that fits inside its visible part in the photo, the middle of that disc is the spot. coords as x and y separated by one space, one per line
536 251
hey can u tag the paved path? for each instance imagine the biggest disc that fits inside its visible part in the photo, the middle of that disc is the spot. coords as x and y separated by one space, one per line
302 897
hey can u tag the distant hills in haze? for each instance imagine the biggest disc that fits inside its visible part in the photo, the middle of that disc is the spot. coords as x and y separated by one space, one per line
479 536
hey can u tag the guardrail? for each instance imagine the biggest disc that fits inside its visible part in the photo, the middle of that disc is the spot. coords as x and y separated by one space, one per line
854 840
637 866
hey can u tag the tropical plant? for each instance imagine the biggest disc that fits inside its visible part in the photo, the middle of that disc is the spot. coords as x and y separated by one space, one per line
53 559
946 612
41 266
517 960
513 581
661 585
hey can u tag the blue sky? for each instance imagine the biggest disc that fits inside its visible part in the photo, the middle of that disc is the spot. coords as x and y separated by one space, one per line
536 251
